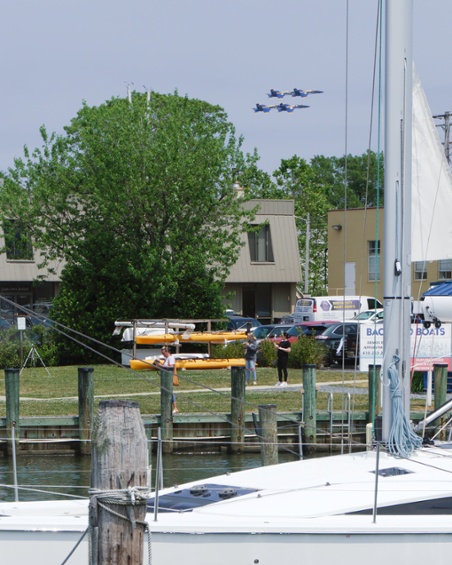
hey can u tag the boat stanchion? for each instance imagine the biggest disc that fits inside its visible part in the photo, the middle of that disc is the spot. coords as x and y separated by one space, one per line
374 388
12 378
166 410
85 408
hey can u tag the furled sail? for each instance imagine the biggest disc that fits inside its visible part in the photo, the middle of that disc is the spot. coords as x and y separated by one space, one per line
431 232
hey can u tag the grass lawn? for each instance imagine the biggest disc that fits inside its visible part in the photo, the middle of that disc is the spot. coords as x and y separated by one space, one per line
57 394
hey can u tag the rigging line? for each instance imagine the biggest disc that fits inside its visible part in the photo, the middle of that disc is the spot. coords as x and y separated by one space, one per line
56 325
84 345
345 171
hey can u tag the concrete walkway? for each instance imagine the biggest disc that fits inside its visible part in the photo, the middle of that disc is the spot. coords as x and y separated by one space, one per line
322 387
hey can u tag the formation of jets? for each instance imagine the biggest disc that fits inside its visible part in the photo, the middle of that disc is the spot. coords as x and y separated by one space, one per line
294 92
282 107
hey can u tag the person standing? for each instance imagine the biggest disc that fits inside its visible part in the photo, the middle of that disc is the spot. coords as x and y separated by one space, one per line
169 364
250 351
282 352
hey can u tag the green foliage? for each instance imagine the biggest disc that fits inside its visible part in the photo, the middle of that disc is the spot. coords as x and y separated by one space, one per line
417 383
323 184
306 351
267 355
232 350
40 337
137 198
9 348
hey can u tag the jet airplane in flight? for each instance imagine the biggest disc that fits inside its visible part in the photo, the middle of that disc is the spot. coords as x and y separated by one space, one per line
290 107
304 93
264 108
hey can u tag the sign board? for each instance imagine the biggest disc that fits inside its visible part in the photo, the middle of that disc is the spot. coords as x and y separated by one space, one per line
427 346
21 323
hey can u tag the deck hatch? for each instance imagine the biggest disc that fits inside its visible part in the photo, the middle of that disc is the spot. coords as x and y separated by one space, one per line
197 496
392 472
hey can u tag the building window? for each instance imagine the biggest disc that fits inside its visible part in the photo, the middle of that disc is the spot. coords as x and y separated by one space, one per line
260 243
420 271
445 269
374 260
17 243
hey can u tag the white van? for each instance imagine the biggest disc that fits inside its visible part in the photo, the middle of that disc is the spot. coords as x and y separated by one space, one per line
339 308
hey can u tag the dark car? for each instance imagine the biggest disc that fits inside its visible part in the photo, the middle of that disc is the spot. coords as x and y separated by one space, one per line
341 341
307 328
278 330
241 323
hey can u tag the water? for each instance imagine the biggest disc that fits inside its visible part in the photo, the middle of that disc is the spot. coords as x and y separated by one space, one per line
49 477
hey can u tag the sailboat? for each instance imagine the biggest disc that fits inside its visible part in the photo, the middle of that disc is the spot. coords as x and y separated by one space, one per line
391 502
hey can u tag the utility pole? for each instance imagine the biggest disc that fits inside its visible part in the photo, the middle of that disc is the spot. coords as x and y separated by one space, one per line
446 128
307 258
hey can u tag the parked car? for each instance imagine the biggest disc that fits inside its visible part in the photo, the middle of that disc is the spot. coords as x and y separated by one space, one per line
261 332
370 316
288 319
242 322
307 328
278 330
341 341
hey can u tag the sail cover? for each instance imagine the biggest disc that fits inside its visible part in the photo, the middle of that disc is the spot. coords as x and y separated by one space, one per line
431 231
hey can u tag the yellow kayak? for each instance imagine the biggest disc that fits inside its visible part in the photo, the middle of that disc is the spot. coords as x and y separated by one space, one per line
190 364
199 337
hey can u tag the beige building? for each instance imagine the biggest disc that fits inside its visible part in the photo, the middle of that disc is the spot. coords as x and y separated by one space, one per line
356 256
21 280
261 284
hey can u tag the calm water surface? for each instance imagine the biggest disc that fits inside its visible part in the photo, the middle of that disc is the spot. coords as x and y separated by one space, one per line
43 477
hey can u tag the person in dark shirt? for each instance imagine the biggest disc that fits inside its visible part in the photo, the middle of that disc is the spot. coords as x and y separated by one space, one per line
282 360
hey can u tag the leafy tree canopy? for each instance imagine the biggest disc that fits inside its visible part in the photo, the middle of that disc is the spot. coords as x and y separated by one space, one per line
137 198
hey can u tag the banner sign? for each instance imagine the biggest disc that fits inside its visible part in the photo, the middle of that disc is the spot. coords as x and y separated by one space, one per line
428 346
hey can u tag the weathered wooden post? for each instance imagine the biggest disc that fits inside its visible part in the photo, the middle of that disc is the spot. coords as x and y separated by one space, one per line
120 460
373 377
166 410
310 409
237 409
85 408
269 434
12 377
440 387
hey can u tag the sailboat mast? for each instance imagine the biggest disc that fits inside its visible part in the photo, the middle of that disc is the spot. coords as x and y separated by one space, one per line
397 203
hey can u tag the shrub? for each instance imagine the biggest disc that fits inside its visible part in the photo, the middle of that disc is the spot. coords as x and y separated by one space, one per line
38 336
267 356
417 383
306 351
232 350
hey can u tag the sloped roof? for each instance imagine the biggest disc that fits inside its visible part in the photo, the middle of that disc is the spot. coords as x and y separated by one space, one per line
279 214
440 289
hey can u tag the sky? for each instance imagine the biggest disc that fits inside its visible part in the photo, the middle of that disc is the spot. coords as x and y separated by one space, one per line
59 53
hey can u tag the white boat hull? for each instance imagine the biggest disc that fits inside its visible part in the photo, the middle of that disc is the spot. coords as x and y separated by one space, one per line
301 512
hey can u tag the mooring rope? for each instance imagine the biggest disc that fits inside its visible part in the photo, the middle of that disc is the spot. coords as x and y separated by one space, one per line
129 497
402 440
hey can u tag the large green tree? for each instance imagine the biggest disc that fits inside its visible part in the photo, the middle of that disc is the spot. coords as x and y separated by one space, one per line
137 198
296 180
323 184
